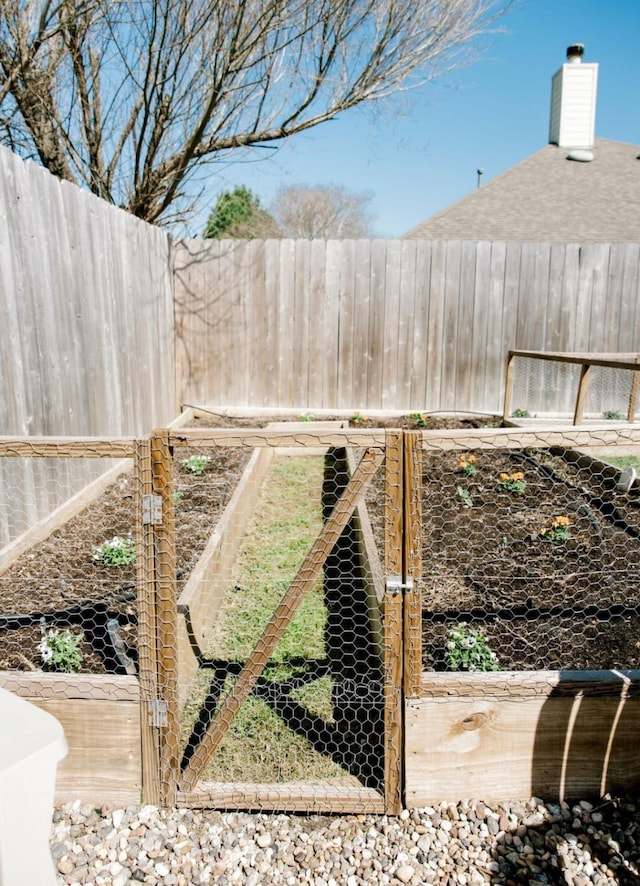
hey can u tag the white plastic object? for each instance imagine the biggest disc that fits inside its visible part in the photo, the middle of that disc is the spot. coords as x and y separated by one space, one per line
32 742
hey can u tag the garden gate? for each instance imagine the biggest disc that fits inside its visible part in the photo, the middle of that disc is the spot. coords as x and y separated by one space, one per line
275 678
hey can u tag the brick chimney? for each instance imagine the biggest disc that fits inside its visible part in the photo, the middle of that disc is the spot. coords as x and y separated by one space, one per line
573 102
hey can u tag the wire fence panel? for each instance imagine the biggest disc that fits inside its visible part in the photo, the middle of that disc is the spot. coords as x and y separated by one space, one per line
543 387
530 553
69 605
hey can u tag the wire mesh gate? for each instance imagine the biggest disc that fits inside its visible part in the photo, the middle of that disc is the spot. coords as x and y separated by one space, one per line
274 681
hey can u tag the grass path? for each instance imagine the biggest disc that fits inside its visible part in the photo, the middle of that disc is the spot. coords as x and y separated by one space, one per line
259 747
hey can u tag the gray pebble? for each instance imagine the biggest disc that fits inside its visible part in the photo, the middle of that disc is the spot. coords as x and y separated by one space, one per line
466 844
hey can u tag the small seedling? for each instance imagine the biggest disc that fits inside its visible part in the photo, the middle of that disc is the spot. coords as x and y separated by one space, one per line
521 413
468 465
177 497
305 416
469 650
359 419
120 551
513 483
464 496
60 650
612 415
558 531
196 464
420 418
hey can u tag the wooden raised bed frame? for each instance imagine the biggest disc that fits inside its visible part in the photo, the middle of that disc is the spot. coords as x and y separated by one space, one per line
503 735
512 734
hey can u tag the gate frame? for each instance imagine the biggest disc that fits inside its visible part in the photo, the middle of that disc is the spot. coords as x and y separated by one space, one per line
157 572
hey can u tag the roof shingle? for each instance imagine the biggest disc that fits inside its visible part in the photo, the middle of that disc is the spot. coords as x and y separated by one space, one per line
550 198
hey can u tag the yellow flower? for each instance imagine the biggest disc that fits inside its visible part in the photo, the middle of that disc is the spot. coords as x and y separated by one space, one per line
560 521
517 476
504 477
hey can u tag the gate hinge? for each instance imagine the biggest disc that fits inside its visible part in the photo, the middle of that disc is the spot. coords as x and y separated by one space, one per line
158 712
152 509
395 585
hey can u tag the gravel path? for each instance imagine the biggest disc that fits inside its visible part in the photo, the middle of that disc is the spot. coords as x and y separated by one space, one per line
468 843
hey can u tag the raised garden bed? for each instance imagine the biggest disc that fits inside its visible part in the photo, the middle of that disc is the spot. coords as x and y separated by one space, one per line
538 549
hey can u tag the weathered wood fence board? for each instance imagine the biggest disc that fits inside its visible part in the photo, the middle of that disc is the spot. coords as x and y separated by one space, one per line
86 330
375 324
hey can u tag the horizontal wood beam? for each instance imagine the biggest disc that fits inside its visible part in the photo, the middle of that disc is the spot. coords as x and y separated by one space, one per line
67 447
611 361
518 684
359 437
339 796
565 436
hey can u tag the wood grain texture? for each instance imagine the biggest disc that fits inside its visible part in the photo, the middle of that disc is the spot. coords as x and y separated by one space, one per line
100 716
346 796
382 309
86 328
393 623
515 735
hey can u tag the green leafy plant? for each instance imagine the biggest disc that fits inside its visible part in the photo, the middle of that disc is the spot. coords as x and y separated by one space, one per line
60 650
305 416
119 551
468 650
177 497
358 419
521 413
420 419
513 483
468 465
558 531
196 464
464 496
612 415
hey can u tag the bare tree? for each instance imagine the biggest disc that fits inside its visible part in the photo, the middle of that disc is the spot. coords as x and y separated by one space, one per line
131 97
322 212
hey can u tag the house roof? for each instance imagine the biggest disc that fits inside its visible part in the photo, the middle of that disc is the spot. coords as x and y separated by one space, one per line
550 198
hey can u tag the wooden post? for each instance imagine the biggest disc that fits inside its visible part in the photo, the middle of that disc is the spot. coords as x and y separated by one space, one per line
633 396
167 627
147 628
393 625
583 387
508 386
412 540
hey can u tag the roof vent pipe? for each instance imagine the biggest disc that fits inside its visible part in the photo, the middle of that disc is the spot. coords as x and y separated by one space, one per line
575 53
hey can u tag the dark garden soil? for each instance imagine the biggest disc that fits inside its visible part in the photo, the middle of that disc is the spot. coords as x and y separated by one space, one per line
489 558
543 604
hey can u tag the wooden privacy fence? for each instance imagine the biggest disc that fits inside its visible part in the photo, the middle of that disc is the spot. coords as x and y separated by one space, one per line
207 650
402 325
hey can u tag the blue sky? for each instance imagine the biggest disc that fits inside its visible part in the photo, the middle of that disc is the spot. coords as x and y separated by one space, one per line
419 155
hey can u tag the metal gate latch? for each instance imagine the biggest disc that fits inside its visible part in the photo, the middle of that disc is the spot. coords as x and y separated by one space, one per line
395 585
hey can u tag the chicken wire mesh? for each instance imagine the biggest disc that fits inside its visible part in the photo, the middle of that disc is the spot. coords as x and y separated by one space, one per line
544 389
68 586
529 555
279 637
